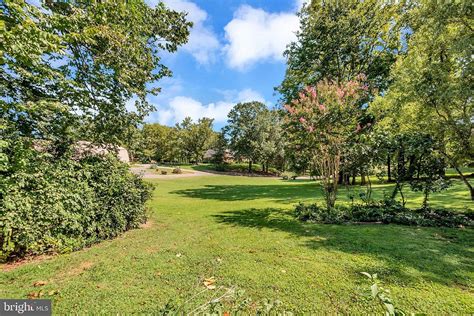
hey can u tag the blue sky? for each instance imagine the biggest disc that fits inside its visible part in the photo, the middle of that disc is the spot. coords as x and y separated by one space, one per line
234 54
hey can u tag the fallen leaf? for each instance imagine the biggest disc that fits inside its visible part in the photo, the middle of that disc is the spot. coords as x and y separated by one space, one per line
209 283
178 254
34 295
158 273
283 271
39 283
53 292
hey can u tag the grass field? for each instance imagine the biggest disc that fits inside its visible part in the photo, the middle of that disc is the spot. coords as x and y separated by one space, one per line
239 230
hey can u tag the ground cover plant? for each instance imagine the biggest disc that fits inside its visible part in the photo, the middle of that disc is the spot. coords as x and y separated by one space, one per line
241 232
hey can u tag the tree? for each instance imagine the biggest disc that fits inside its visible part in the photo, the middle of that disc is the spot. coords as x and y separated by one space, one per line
197 137
339 40
243 129
325 118
433 83
69 69
270 143
157 142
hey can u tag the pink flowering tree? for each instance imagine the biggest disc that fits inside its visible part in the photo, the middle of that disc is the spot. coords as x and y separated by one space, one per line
325 118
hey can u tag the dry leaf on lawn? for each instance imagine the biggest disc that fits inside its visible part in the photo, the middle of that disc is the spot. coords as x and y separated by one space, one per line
209 283
39 283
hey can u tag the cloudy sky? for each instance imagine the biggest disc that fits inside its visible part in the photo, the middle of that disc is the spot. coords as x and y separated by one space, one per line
234 54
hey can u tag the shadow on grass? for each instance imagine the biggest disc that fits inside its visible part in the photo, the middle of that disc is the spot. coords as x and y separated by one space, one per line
439 255
279 192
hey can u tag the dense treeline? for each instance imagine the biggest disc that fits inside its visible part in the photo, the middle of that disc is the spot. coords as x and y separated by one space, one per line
378 88
371 88
186 142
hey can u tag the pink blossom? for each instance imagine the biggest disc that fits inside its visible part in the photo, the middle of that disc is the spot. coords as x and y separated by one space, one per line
340 93
311 91
322 108
289 109
310 129
302 120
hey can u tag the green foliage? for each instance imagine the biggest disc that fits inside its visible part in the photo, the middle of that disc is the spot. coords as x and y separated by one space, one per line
382 296
325 119
177 170
432 83
338 41
386 211
242 130
243 169
63 205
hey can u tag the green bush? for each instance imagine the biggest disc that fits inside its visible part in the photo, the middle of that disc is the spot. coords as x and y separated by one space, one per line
177 170
382 212
61 206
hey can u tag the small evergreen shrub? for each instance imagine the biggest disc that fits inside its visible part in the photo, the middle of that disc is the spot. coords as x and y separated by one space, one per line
177 170
386 212
164 172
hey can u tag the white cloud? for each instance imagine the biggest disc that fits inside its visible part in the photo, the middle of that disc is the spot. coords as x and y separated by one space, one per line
254 35
299 4
203 44
180 107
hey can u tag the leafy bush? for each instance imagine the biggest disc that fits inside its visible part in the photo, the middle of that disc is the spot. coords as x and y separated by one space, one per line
164 172
177 170
60 206
387 211
243 168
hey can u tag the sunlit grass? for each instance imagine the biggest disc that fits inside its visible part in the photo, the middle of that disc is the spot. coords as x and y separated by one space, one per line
240 230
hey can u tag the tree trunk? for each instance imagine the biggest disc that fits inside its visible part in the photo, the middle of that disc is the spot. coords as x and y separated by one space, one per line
353 178
362 179
250 165
464 179
389 171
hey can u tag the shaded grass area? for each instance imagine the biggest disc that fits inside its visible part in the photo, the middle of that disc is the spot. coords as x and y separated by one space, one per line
240 231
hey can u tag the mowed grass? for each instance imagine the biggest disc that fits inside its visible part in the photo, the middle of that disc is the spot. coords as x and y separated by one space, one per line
240 231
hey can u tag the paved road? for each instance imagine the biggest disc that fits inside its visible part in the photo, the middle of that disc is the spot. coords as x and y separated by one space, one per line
147 173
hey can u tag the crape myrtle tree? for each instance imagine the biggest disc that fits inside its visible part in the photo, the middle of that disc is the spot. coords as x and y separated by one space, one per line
433 83
325 117
337 41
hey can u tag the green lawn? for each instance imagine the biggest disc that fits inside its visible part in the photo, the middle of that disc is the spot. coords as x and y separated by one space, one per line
239 230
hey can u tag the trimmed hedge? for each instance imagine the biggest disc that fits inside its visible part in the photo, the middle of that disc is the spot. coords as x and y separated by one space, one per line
61 206
383 212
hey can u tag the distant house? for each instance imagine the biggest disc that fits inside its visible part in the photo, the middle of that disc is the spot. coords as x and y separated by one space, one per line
210 153
83 147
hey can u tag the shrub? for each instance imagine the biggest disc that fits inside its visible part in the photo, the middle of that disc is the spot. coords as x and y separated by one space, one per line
177 170
61 206
164 172
382 212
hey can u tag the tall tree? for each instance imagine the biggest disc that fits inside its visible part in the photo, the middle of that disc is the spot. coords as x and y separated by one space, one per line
325 118
433 83
338 40
69 69
243 129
